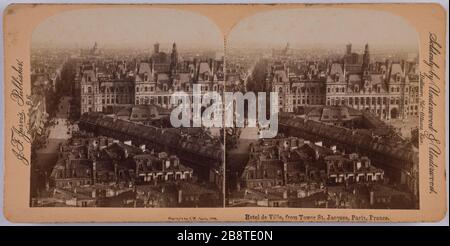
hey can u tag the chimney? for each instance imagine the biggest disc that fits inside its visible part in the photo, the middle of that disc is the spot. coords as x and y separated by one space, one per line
176 162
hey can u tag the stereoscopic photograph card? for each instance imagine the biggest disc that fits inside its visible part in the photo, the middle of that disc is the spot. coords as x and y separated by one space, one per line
224 113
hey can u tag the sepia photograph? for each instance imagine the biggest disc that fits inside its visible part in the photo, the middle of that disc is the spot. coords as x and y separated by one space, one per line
348 97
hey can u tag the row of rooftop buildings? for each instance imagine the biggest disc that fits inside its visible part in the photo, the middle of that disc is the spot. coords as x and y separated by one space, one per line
294 172
292 160
193 146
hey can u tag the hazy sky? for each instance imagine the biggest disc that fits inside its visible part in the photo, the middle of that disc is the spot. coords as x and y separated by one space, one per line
324 26
128 27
